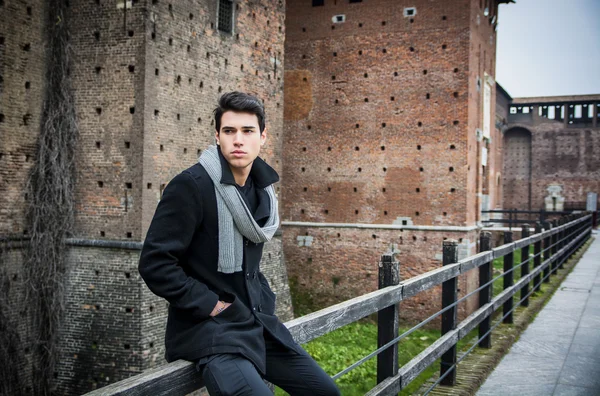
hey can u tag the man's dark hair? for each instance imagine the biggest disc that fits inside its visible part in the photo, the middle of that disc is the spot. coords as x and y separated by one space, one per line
240 102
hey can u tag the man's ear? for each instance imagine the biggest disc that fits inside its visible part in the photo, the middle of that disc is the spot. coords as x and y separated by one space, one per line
263 137
217 137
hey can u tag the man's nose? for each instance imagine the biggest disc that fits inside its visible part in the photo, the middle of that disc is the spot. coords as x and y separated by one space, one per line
237 139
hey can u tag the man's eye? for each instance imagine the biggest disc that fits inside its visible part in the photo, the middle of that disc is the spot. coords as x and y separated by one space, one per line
248 130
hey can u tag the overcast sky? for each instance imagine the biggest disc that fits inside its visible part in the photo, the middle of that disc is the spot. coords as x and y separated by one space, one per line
549 47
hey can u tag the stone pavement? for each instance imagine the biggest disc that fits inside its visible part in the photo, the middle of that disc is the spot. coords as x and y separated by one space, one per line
559 353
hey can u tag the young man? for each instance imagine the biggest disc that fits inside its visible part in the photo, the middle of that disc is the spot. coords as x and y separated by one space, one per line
202 254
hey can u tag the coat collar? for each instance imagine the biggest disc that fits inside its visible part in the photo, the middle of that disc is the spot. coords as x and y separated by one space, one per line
261 173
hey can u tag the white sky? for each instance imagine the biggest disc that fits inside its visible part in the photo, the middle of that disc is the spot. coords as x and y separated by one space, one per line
549 47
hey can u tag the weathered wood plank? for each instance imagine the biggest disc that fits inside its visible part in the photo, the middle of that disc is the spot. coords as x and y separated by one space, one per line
475 261
473 320
429 279
388 387
174 379
502 297
521 243
536 238
316 324
503 250
412 369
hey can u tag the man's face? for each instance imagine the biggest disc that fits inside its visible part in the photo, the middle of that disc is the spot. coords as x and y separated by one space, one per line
240 139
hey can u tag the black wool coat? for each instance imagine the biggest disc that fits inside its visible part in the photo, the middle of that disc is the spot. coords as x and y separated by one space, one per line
179 263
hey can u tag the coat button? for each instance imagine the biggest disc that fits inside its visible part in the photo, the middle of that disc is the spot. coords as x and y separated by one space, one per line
248 275
254 275
254 308
246 242
259 307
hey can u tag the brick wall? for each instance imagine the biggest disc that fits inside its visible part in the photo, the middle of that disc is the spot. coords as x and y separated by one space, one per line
146 77
22 68
559 152
333 264
22 61
381 115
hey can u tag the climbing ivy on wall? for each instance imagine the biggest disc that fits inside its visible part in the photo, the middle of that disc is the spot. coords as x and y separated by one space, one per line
50 212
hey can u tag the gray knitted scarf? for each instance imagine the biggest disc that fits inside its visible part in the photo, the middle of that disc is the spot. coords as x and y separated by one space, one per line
234 216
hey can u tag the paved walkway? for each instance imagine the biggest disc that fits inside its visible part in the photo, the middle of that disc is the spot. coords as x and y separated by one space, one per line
559 353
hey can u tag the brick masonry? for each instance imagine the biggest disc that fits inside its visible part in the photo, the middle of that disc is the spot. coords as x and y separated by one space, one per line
381 119
544 150
146 77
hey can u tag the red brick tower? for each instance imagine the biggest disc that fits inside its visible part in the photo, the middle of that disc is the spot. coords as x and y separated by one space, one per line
389 130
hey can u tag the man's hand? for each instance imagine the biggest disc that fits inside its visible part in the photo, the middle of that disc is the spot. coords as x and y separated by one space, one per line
220 307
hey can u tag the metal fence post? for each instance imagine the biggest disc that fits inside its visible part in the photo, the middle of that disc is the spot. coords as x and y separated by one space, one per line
525 266
509 278
485 294
387 320
547 252
449 297
537 259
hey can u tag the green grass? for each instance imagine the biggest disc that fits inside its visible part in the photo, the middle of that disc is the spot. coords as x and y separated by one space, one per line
339 349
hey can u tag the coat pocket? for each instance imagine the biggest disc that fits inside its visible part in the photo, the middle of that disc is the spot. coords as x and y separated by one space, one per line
268 300
236 312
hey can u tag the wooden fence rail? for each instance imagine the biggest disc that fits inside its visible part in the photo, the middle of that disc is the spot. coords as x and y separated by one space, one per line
180 377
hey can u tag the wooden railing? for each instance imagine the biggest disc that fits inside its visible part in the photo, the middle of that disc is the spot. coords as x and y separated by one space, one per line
552 247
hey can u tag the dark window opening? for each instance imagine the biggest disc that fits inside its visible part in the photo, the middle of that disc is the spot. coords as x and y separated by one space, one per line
318 3
225 21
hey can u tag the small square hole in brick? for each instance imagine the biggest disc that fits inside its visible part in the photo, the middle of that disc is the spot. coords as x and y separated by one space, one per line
131 110
129 185
100 184
127 145
129 310
98 110
129 235
97 36
131 68
156 112
127 275
102 233
98 144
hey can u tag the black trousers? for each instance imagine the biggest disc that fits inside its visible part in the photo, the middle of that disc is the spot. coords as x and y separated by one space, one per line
231 374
